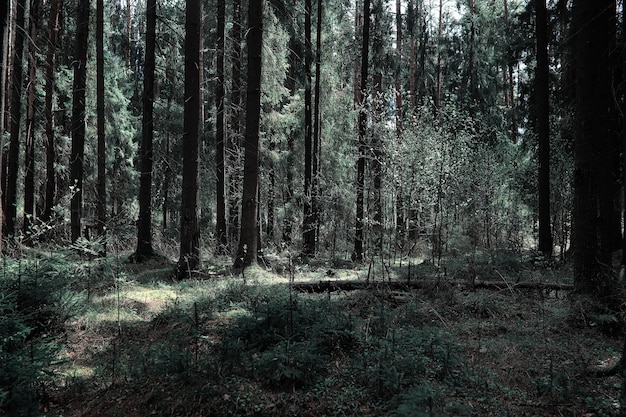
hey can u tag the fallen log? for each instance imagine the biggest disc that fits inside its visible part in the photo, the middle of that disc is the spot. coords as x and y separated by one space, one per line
352 285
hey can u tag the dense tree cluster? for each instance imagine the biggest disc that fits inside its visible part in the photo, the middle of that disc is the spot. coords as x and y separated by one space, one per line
351 128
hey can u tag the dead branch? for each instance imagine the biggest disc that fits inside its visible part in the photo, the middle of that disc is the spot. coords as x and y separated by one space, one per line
351 285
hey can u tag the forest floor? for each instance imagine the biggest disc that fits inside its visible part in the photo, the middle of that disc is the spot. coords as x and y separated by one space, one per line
137 343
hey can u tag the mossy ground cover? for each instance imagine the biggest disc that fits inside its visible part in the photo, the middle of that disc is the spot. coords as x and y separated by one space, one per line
133 342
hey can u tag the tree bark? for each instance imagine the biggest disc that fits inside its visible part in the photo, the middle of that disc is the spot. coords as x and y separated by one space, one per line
189 229
624 152
410 23
10 203
308 227
5 59
78 116
249 236
53 29
591 63
398 79
100 110
29 157
317 128
144 224
235 126
221 230
290 84
439 40
357 254
542 93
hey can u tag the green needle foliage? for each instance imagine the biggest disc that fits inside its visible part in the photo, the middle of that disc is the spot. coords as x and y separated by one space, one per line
35 303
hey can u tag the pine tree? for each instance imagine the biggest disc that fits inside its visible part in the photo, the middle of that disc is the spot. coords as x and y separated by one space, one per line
4 58
189 229
53 29
100 110
592 90
144 225
308 227
542 90
10 201
249 236
29 157
78 116
221 229
357 254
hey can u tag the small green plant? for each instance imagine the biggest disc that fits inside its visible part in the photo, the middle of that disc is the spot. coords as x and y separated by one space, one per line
34 305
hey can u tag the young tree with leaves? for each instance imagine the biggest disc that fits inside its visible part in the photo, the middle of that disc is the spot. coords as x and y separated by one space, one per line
189 228
249 238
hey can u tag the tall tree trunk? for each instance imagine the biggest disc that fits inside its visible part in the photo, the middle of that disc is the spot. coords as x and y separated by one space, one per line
10 203
144 224
591 64
602 141
410 23
129 36
399 203
290 84
5 59
472 69
357 255
53 29
358 30
315 167
308 227
221 230
271 194
203 90
542 92
78 116
235 126
398 80
248 239
624 154
100 110
438 68
29 158
378 33
189 228
509 81
611 185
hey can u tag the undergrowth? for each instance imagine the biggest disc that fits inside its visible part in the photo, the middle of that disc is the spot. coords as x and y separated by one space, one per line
35 303
249 345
